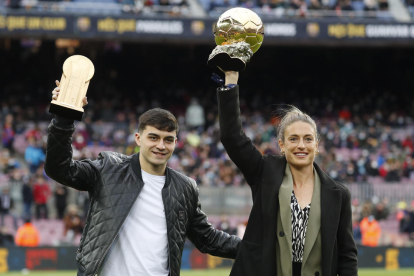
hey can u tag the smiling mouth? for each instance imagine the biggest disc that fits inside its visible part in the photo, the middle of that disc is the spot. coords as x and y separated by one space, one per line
301 154
159 153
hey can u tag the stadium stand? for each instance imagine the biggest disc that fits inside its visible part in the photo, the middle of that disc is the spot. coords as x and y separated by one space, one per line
364 145
101 7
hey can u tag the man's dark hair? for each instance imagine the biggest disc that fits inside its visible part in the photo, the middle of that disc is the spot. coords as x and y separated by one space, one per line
159 118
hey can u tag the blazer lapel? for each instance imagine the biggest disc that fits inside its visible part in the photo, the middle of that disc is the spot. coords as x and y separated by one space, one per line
285 194
330 212
314 223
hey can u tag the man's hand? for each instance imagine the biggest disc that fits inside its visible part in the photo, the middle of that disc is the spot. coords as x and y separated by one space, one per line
55 94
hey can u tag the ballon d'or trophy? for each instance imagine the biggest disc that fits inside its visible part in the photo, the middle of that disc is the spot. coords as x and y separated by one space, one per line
239 33
77 73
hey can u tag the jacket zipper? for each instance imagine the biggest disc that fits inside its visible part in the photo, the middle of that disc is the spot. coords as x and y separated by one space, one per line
103 256
168 233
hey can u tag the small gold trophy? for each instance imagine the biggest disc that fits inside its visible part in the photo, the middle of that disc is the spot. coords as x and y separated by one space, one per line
77 73
239 33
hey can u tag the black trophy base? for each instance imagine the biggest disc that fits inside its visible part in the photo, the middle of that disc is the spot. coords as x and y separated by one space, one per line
227 63
66 112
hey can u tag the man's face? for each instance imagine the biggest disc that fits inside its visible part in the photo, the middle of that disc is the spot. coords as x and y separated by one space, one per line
156 146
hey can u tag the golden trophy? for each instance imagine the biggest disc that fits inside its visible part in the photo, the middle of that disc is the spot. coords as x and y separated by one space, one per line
77 73
239 33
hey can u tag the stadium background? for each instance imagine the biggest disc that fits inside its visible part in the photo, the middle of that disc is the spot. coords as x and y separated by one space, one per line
346 63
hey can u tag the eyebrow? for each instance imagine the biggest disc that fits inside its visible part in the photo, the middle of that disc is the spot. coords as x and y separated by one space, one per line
154 134
303 135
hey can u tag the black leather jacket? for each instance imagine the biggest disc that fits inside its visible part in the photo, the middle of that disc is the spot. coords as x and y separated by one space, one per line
114 182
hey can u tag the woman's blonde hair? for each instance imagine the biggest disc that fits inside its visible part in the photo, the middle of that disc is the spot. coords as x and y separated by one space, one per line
293 115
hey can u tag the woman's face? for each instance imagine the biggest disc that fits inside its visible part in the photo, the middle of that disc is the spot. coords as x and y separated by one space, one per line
300 145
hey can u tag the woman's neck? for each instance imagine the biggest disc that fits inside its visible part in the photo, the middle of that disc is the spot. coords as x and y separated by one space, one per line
302 176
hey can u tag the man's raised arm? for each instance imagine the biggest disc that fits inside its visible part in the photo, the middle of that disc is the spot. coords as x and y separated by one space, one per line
59 165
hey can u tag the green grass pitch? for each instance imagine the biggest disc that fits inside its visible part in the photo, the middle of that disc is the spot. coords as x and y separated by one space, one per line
224 272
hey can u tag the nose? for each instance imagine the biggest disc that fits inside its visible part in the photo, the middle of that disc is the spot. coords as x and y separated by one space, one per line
301 144
161 145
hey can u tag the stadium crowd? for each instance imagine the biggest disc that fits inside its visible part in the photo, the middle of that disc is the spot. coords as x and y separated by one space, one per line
303 8
360 140
172 8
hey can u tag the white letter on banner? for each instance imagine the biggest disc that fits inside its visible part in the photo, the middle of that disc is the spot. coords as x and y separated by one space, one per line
159 27
387 31
280 29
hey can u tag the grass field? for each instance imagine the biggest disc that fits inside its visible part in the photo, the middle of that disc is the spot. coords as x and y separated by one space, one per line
225 272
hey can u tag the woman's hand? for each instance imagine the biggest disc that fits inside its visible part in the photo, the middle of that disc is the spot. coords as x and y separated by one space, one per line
231 77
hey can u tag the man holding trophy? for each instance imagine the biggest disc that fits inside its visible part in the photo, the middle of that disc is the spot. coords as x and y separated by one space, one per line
141 211
293 199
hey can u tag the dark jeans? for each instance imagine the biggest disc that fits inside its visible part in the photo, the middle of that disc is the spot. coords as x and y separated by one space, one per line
61 211
26 209
41 211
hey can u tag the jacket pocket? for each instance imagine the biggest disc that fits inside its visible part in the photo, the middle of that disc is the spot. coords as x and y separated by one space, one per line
248 259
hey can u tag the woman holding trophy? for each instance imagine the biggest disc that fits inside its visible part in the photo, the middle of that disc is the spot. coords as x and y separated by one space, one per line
300 222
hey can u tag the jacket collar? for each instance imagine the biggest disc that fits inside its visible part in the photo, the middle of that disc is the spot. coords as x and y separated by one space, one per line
136 168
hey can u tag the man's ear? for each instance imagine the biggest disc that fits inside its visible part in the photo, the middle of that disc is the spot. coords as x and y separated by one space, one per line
138 139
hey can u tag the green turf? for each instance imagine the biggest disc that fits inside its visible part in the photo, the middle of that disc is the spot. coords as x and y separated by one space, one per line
225 272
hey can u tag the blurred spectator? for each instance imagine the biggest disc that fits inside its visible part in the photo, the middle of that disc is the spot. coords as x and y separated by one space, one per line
241 229
6 238
366 210
33 155
8 133
370 5
194 116
383 5
410 222
344 5
315 5
61 194
381 211
224 225
356 230
27 194
16 181
41 194
27 235
6 204
402 216
370 231
73 223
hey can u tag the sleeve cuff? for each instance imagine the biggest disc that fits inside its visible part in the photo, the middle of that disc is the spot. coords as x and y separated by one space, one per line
63 122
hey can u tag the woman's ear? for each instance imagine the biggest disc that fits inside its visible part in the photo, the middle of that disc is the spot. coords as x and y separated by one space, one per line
281 145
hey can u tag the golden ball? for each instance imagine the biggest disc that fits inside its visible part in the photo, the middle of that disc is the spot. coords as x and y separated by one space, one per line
239 24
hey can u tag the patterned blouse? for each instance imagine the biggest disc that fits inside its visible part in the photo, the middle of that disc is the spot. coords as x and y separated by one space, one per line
300 219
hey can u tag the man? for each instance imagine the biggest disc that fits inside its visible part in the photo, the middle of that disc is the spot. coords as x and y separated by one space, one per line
141 210
41 194
6 204
27 235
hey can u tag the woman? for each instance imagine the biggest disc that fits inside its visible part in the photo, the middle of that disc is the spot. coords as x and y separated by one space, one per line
300 223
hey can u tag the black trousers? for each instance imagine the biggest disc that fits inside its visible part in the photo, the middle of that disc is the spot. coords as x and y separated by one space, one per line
296 269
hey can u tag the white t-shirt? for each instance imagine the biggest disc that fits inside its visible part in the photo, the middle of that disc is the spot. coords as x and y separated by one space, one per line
141 247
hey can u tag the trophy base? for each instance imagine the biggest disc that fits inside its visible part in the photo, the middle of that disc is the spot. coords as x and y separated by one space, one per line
227 63
70 112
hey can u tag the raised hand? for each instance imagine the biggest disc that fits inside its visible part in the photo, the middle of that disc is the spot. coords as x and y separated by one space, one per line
55 94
